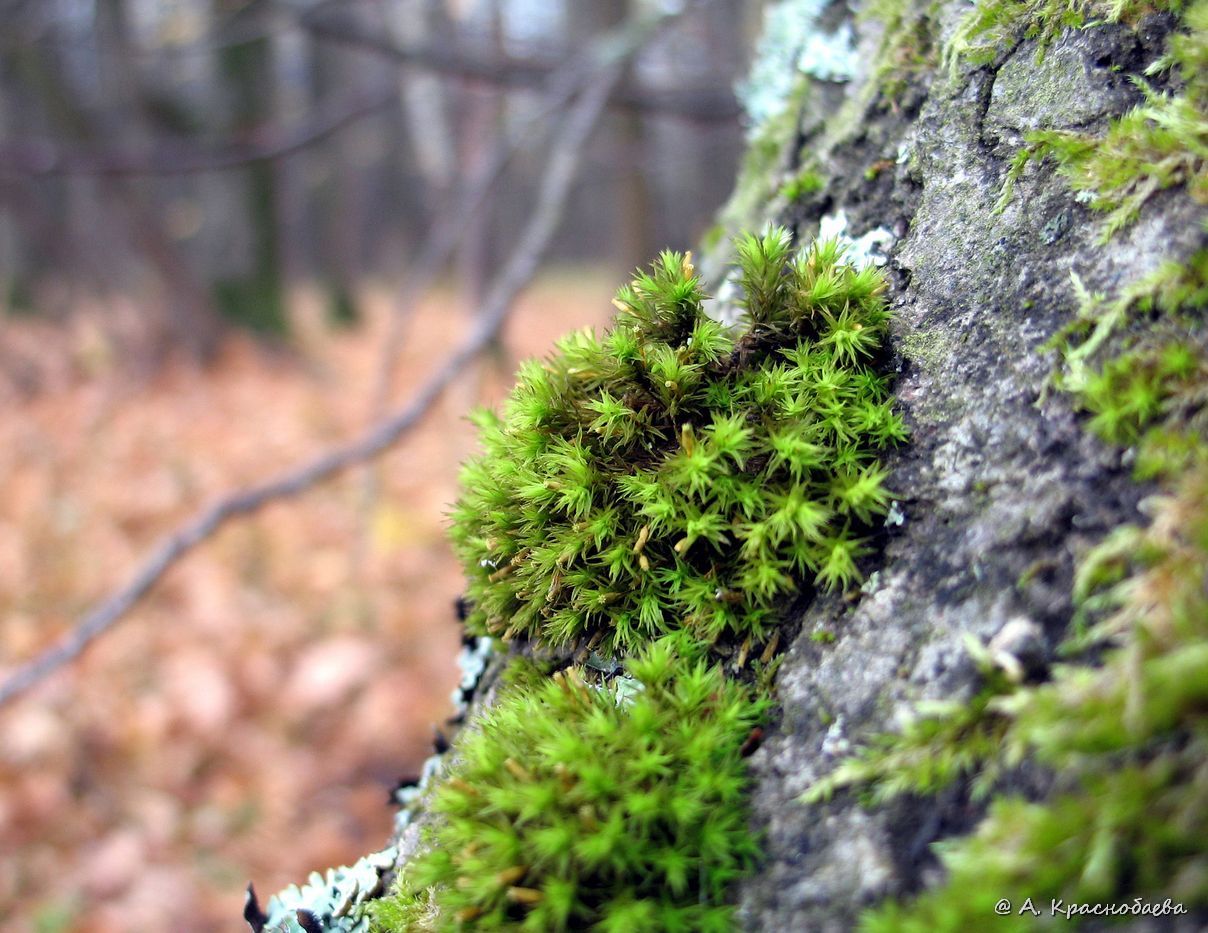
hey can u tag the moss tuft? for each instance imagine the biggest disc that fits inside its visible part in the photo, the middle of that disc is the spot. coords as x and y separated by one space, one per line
908 46
1122 728
993 27
670 475
805 183
948 741
574 806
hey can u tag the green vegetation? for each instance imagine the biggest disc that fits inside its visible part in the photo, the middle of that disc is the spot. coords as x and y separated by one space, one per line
1154 395
646 492
1173 292
1127 742
949 740
575 806
1131 391
996 26
1125 738
1121 728
908 43
668 475
805 183
1155 146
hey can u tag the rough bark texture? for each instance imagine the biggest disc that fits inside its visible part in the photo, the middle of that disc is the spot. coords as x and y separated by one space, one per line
1002 488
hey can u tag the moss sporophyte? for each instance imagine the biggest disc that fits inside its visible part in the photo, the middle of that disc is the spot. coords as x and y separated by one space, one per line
673 475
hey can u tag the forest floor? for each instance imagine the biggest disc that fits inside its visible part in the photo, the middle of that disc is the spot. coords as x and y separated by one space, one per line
249 718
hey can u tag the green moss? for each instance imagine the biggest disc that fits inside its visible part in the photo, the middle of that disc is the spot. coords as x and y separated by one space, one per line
712 237
1128 392
805 183
764 163
669 475
996 26
1127 741
908 46
1174 293
1153 396
947 741
1157 145
579 807
1123 728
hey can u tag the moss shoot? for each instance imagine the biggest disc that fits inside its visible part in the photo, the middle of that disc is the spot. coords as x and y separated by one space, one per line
671 475
1127 741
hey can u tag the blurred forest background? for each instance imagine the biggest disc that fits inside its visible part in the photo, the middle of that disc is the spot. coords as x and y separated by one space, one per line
235 234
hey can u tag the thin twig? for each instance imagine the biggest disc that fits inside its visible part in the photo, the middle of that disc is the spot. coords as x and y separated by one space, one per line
45 158
522 264
452 223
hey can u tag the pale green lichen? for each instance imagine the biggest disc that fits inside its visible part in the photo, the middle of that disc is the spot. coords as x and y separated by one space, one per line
791 47
930 349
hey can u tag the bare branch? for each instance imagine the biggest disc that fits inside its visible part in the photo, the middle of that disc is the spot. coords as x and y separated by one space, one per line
708 103
46 158
563 165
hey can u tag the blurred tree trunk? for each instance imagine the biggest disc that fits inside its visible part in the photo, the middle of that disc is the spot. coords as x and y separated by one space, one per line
424 98
627 130
256 297
187 314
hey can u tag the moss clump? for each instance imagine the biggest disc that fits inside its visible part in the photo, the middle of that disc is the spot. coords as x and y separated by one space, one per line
669 475
1123 729
947 741
580 807
805 183
907 49
1155 397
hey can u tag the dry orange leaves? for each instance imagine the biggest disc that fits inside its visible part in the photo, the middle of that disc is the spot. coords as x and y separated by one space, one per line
249 718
